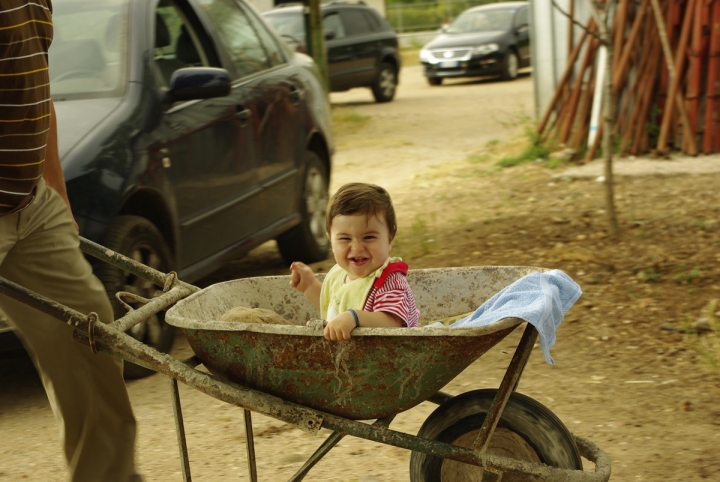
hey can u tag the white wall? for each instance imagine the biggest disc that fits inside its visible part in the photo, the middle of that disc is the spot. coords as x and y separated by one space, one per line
549 45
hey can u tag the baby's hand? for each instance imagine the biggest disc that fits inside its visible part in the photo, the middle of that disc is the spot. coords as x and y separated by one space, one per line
301 276
339 328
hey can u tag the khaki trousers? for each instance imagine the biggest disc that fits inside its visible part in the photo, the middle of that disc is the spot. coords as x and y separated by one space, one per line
39 249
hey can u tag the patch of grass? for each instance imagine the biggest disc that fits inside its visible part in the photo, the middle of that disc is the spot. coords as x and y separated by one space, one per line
535 150
419 240
477 158
649 275
705 342
347 120
688 277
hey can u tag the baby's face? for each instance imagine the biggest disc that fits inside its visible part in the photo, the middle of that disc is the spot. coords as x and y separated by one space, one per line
360 243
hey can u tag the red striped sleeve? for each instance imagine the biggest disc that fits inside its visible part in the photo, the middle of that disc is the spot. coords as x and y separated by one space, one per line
394 296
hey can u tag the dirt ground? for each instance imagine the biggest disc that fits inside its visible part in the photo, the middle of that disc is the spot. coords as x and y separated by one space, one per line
639 392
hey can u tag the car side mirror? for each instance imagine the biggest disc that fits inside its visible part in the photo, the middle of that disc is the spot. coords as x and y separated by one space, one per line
193 83
329 35
522 28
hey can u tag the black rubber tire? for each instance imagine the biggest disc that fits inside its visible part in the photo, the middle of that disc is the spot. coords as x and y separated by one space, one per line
434 81
307 242
385 84
541 435
139 239
510 65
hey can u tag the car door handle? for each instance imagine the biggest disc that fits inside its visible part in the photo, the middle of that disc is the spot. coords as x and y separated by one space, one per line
296 94
242 113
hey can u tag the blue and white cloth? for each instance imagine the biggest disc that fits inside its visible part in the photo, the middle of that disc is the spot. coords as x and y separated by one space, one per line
541 299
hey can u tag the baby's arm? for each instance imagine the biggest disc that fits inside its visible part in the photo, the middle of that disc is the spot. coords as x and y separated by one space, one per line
339 328
303 279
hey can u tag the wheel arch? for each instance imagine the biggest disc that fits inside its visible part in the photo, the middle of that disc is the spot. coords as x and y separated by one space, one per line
317 144
151 206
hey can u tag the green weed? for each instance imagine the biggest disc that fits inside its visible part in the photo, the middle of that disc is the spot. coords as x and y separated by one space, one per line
684 278
649 275
705 343
419 240
535 150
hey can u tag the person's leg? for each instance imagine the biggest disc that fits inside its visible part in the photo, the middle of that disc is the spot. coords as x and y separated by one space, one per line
87 392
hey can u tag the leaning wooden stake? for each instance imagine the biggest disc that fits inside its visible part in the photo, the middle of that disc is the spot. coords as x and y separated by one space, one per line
710 142
675 69
565 78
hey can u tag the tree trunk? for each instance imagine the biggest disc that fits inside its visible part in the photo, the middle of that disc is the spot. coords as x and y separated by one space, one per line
608 117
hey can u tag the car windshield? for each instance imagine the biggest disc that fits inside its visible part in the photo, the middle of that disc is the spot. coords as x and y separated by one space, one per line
288 24
482 21
88 54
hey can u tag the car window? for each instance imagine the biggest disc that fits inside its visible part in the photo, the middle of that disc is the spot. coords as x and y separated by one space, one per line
482 21
239 35
176 43
372 20
268 40
522 17
355 22
332 23
289 24
100 31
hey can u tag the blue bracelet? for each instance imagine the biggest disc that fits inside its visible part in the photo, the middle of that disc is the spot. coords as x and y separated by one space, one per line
357 321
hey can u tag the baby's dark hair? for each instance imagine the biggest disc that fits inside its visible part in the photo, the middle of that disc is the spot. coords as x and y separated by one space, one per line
361 198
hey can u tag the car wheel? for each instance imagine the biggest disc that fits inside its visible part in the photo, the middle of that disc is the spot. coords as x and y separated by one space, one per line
510 65
307 242
434 80
527 431
386 83
138 239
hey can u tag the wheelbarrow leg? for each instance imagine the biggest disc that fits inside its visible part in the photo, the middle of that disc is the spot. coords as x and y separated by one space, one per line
507 386
250 445
180 430
327 445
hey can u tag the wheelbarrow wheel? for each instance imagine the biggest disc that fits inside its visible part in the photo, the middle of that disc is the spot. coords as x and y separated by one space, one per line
527 430
139 239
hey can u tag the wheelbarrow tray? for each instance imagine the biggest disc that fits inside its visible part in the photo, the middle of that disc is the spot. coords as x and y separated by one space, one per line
377 373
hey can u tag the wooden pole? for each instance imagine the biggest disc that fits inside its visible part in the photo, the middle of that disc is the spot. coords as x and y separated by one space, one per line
646 91
694 69
624 62
675 76
621 15
571 28
564 79
581 132
571 106
710 142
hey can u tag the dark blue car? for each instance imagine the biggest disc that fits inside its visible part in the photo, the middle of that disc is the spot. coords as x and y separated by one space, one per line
189 134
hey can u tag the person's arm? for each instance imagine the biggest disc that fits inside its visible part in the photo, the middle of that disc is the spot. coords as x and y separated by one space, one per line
340 327
52 170
303 279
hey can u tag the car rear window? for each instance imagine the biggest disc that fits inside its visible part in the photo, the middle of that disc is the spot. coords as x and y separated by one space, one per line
355 22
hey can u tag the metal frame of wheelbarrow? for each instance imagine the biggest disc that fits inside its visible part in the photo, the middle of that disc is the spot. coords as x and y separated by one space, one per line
111 338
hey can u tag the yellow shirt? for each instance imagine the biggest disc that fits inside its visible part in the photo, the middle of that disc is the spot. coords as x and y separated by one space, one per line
337 296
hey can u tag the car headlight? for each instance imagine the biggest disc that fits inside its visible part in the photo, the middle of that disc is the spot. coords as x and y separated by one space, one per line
486 49
425 55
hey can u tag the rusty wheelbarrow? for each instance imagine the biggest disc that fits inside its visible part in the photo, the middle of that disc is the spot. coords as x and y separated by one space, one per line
291 373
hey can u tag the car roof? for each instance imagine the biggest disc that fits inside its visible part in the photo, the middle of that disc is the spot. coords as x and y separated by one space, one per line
500 5
297 6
